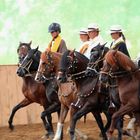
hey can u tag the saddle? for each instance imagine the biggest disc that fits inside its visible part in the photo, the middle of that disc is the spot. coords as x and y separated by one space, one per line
67 88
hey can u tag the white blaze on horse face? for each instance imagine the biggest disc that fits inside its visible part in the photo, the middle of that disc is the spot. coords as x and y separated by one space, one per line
38 71
58 131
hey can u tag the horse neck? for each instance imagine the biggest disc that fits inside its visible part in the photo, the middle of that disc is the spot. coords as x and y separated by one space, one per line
87 84
56 59
28 81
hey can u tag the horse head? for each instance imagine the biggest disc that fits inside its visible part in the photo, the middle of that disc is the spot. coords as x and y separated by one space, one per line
30 63
96 59
47 66
116 64
22 50
72 62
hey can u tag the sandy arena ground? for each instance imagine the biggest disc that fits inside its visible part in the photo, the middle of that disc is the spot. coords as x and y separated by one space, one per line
36 131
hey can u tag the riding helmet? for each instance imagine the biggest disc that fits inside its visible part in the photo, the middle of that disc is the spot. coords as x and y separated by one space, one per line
54 27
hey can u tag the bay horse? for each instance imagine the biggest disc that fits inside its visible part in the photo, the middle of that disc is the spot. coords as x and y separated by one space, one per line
118 65
22 50
49 68
93 68
73 65
33 91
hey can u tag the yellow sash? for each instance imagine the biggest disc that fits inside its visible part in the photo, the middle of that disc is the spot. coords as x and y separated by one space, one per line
56 44
83 49
114 46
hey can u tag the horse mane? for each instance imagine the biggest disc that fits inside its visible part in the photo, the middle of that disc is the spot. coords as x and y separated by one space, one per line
113 56
43 56
54 55
81 56
64 59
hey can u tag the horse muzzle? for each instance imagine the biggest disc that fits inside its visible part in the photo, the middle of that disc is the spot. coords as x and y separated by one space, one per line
21 72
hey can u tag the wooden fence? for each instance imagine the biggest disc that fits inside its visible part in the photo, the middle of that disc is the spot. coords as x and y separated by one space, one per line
11 95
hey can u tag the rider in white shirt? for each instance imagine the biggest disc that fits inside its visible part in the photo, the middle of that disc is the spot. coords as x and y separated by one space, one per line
83 34
95 38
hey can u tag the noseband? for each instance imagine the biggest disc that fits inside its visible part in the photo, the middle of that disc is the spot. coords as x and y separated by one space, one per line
27 65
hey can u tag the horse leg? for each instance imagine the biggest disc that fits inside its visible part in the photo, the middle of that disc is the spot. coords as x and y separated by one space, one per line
108 117
22 104
99 121
47 119
121 112
119 127
83 111
77 132
59 131
137 125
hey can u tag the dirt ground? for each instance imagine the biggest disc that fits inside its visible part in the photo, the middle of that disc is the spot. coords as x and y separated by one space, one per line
36 131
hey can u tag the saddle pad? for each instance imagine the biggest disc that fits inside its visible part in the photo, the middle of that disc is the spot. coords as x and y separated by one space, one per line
67 88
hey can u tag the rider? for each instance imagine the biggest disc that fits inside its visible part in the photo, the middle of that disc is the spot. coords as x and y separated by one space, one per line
119 44
95 38
57 44
84 37
118 37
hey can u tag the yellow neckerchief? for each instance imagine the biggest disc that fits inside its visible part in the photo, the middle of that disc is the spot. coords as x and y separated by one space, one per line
84 48
54 47
113 46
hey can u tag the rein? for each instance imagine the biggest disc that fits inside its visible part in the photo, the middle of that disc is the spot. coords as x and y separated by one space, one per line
77 75
49 65
25 66
53 76
96 62
119 74
31 74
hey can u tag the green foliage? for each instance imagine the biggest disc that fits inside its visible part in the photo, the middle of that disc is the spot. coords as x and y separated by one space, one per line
25 20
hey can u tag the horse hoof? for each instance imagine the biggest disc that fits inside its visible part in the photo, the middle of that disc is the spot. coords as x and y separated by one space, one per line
47 136
85 137
11 127
56 139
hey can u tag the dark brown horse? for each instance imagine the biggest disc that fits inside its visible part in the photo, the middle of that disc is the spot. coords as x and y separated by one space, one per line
118 65
22 50
33 91
111 89
73 65
49 68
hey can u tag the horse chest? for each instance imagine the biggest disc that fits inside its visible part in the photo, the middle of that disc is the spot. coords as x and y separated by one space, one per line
128 91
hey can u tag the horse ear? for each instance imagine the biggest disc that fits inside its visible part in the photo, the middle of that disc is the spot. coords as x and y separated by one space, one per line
36 49
72 53
30 42
104 44
114 52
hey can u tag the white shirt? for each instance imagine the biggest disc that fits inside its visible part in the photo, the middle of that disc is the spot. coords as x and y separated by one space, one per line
92 43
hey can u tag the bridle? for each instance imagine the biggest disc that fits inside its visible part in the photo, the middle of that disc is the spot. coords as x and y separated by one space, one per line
27 65
93 65
49 65
73 63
